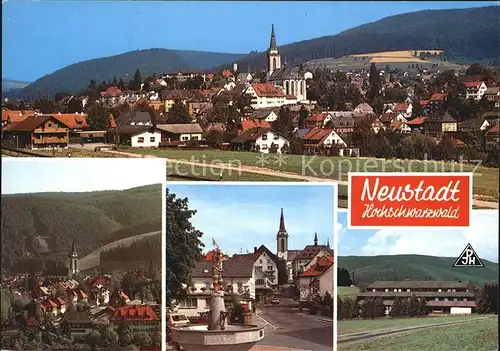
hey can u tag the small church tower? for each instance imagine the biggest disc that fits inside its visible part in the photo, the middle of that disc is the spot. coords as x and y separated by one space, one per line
282 239
73 261
273 55
315 238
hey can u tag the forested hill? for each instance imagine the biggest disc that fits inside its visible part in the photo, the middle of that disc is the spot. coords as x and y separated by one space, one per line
76 77
415 267
465 35
45 224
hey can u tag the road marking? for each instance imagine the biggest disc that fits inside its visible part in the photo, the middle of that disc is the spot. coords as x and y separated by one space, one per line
266 322
324 320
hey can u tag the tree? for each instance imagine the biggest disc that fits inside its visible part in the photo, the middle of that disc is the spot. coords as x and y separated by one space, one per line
109 337
98 117
397 307
93 339
178 113
344 278
5 308
142 339
183 245
283 124
303 114
282 272
487 301
45 106
135 83
74 105
375 84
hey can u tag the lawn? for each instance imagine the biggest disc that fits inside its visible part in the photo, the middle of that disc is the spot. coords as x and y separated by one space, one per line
347 291
364 325
70 152
485 178
473 335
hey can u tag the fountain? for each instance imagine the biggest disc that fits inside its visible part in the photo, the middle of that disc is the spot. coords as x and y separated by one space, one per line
218 335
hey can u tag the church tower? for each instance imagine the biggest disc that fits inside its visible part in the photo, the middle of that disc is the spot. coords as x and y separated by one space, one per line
273 55
73 261
282 239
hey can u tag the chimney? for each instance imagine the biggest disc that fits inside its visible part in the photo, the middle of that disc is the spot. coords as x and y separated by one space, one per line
254 249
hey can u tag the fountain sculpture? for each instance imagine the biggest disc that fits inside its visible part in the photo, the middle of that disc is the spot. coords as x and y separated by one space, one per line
218 335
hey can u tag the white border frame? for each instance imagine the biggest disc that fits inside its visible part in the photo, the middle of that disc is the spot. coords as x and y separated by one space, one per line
407 174
332 184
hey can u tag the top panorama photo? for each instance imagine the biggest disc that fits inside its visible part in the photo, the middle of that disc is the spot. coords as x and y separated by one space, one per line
389 89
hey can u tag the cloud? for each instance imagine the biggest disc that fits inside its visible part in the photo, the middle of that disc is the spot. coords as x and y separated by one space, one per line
482 235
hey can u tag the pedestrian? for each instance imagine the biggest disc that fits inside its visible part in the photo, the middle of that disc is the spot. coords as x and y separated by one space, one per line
220 176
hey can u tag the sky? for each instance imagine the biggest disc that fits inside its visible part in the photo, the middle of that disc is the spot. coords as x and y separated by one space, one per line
482 235
39 37
241 217
22 175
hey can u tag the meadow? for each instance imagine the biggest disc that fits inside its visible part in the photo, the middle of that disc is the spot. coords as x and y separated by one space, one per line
472 335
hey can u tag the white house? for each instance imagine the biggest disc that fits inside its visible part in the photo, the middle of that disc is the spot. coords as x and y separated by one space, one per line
475 90
268 139
238 274
265 95
181 132
146 138
317 279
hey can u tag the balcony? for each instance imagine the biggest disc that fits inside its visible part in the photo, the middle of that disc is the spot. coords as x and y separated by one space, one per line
51 130
50 140
263 283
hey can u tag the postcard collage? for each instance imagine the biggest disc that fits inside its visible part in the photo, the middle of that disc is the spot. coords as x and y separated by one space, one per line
329 188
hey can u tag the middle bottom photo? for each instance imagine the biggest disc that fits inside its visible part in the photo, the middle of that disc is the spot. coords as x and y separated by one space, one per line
251 266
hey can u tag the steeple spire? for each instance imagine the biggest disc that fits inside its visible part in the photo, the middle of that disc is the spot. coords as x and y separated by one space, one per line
328 242
282 222
315 239
272 45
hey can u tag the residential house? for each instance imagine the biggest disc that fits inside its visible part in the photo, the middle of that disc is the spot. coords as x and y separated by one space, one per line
318 120
475 90
435 103
37 132
363 109
265 114
250 124
342 121
239 277
388 117
119 298
14 116
400 126
404 109
180 132
369 121
317 279
183 76
169 97
265 95
134 128
78 324
491 137
264 140
491 94
111 96
305 256
473 125
56 306
416 124
244 77
448 297
138 318
195 107
439 123
318 139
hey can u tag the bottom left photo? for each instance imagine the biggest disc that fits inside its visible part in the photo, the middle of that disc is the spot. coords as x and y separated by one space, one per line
82 254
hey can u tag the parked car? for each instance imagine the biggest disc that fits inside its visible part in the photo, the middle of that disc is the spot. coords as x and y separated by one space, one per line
275 301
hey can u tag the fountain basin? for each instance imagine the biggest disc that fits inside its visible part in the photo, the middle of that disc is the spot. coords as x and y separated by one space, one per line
233 338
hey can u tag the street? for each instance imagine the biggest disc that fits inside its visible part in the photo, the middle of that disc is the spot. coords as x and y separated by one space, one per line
288 328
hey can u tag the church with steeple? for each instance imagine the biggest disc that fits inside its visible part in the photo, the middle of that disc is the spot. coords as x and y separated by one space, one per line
291 79
297 260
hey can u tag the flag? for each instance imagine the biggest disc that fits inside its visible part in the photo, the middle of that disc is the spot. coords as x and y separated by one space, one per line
214 243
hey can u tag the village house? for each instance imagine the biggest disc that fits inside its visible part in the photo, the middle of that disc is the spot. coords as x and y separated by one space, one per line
266 95
37 132
180 132
341 121
475 90
139 318
317 120
305 256
169 97
417 124
134 128
491 137
239 276
14 116
473 125
268 115
434 104
317 279
370 121
111 96
492 94
443 297
318 139
363 109
78 324
183 76
439 123
56 306
249 124
264 140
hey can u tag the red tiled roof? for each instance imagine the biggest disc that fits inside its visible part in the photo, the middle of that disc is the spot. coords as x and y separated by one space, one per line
29 124
133 313
417 121
249 124
72 120
494 130
317 117
111 91
475 84
318 135
319 267
267 90
15 116
424 102
438 97
401 107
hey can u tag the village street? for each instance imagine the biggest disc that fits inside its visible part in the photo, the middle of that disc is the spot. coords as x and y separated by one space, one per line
285 327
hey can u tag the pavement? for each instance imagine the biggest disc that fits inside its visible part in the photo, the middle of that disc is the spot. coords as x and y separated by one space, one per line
286 329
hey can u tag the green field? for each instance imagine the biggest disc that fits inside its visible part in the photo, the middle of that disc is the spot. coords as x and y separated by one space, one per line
336 168
480 335
347 291
364 325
